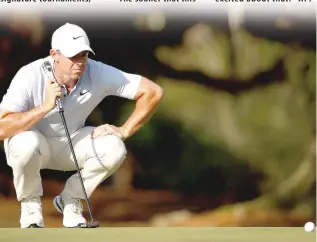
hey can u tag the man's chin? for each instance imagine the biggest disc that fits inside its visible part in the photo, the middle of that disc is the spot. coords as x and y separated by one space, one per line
76 76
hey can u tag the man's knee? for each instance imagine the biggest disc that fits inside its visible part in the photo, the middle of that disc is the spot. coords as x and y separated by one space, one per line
22 148
110 150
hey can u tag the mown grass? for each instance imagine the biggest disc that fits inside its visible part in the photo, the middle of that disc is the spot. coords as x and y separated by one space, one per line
158 235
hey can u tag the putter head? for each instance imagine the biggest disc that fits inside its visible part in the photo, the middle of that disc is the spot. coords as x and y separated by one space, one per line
92 224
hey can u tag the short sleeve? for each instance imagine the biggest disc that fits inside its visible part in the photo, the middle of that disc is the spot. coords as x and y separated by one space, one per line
118 82
16 97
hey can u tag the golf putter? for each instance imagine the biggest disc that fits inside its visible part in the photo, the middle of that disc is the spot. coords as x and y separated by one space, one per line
49 71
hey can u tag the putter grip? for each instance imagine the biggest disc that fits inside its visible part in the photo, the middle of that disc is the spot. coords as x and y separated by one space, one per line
59 105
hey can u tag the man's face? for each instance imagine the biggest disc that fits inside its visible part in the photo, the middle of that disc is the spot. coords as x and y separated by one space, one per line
72 67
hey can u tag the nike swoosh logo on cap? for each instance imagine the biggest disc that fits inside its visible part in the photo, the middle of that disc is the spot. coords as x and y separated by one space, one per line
77 37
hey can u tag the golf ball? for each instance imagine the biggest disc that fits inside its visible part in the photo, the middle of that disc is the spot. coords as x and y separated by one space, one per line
309 227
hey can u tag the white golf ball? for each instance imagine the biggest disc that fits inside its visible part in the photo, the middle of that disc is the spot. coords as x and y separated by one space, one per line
309 227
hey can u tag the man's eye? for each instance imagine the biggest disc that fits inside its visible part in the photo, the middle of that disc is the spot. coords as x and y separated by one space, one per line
80 56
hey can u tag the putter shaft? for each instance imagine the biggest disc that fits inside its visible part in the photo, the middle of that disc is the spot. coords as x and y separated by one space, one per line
61 111
50 73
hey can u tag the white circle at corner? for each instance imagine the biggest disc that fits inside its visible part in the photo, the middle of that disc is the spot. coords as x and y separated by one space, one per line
309 227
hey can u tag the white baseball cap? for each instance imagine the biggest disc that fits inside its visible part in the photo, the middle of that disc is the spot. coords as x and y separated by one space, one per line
70 40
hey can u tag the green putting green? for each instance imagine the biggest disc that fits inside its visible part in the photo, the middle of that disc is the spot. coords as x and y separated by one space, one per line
158 235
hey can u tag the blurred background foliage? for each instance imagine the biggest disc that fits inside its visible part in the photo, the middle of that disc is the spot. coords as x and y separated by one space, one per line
239 114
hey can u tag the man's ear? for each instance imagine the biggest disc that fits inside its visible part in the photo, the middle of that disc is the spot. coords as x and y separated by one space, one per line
54 54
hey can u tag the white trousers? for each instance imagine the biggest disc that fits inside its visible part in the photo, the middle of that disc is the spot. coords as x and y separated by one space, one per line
29 152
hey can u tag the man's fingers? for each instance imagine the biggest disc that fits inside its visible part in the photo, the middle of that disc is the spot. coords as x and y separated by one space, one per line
58 90
111 130
98 132
55 85
51 81
106 130
59 94
99 135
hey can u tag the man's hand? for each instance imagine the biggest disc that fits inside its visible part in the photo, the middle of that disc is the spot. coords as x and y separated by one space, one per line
108 129
52 91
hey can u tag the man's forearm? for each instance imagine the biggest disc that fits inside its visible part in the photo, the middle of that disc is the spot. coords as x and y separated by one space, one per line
145 108
14 123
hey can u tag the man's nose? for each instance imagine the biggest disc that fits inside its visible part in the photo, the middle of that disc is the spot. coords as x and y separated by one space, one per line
80 64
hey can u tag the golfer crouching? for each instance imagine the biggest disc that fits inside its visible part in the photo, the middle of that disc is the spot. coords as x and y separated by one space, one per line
35 137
